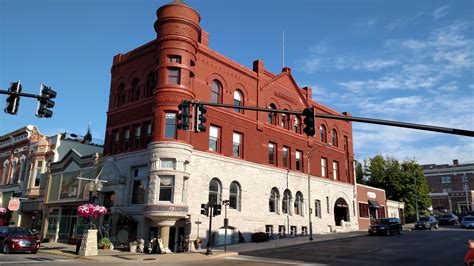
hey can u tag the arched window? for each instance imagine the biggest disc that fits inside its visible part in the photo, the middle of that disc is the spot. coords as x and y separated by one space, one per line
215 191
283 121
22 167
150 84
234 196
135 91
334 138
322 133
298 205
272 116
238 100
297 125
274 199
13 172
120 100
216 92
285 205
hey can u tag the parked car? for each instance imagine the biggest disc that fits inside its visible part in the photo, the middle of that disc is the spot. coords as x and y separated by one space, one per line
467 222
427 222
18 239
448 219
386 226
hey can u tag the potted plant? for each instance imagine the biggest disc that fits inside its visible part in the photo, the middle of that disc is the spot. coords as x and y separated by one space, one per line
140 245
105 243
133 246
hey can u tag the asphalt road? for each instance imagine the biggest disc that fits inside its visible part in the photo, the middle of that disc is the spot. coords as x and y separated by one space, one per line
445 246
28 259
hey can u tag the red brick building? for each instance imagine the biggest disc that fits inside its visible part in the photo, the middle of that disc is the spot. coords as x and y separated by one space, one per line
256 159
451 186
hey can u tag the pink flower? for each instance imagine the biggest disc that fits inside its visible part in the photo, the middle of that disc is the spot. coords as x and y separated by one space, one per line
90 210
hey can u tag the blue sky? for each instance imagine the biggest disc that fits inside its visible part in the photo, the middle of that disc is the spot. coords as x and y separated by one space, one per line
403 60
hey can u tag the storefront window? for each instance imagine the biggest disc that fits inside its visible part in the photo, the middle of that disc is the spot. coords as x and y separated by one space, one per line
139 184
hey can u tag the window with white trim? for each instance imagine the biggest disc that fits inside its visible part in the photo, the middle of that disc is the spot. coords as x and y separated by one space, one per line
39 171
335 170
166 188
214 133
237 144
324 167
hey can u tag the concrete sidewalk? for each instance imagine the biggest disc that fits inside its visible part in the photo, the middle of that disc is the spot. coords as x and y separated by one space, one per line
65 250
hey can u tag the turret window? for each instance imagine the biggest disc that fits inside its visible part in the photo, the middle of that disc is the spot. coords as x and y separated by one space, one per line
174 75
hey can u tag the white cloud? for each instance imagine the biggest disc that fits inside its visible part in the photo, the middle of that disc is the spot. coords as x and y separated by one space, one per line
440 12
310 65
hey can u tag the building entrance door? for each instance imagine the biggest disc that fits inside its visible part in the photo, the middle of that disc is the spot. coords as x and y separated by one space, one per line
341 211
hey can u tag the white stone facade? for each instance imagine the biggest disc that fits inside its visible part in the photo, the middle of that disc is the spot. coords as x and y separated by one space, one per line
193 171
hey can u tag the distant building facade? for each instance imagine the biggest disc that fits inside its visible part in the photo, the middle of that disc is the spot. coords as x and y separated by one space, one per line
373 204
451 186
257 161
25 156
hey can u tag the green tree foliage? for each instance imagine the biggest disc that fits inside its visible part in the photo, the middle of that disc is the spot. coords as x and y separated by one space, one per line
360 173
398 181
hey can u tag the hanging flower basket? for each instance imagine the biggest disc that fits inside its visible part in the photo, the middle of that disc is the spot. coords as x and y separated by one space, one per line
3 211
91 211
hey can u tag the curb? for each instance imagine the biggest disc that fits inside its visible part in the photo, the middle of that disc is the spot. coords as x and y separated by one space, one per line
223 254
63 255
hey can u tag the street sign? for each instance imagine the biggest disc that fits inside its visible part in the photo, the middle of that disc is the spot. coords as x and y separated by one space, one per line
198 222
14 204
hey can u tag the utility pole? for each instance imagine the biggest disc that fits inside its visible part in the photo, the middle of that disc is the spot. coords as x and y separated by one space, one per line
309 198
465 181
416 196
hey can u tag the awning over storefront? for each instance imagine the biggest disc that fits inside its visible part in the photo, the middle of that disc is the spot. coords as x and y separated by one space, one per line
374 204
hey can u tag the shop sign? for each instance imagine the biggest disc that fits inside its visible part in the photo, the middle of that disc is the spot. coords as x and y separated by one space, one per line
371 195
157 208
14 204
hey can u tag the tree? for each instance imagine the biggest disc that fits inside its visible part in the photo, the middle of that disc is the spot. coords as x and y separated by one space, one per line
398 181
359 173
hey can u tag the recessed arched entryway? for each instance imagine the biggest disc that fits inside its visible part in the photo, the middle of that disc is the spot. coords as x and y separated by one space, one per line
341 211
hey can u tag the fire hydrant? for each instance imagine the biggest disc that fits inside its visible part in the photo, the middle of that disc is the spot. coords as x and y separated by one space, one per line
469 258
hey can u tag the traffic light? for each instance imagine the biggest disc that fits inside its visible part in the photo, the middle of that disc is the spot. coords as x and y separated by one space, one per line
13 100
184 115
204 209
200 118
308 114
217 210
45 102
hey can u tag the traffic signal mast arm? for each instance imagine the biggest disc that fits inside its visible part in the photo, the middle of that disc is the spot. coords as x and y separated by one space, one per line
21 94
454 131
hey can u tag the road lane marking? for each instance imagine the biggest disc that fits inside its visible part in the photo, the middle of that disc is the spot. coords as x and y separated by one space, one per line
35 261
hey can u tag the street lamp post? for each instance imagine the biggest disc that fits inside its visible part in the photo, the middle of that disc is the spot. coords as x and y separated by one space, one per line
465 181
226 223
309 199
